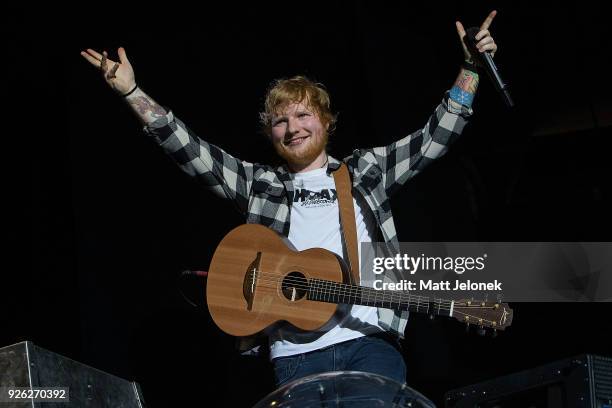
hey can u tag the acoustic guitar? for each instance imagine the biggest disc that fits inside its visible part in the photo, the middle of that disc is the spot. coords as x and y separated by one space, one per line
255 280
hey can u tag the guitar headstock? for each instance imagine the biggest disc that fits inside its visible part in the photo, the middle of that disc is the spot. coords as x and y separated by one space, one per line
489 314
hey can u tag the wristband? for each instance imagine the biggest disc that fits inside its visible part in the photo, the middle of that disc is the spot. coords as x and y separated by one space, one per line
131 92
460 96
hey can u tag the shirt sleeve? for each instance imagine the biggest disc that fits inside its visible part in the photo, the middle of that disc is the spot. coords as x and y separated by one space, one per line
220 172
406 157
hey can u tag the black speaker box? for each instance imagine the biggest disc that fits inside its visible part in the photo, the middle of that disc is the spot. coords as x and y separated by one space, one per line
584 381
27 365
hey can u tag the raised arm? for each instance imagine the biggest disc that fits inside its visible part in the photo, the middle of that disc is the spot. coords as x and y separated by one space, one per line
120 77
465 86
408 156
220 172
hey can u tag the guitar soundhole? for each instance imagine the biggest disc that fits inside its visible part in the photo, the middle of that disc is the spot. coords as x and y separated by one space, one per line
294 286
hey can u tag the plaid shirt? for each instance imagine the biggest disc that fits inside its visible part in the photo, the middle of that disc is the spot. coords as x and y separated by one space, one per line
264 194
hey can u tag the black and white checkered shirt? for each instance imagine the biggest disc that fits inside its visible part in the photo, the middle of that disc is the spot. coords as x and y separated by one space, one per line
264 194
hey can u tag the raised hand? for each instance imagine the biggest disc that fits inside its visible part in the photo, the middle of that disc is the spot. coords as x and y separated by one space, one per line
484 39
119 75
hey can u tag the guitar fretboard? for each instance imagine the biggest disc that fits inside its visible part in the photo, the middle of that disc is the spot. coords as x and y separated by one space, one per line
336 292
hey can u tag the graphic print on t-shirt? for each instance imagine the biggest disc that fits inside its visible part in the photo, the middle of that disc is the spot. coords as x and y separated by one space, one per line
315 199
315 223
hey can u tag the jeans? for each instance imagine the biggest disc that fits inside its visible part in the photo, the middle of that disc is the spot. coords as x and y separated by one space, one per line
373 354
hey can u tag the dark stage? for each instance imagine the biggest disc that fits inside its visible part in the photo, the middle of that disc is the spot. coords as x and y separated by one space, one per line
113 221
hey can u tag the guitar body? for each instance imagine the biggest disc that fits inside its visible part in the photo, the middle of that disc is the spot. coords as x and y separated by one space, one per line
255 280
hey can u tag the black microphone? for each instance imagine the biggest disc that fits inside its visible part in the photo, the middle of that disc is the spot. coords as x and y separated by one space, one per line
485 60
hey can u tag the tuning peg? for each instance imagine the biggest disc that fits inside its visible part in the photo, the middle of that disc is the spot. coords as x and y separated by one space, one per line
431 317
467 327
482 331
494 334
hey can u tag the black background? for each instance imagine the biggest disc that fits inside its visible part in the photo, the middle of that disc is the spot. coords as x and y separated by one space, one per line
113 221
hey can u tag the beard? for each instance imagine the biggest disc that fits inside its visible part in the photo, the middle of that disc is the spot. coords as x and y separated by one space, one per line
304 154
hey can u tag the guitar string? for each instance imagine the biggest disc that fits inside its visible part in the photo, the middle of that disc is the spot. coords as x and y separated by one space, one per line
303 283
477 319
353 290
300 284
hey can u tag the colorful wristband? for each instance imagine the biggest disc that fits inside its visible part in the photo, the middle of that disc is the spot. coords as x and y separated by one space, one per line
460 96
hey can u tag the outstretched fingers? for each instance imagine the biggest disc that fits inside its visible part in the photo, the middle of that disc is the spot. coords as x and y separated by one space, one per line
123 56
94 53
460 29
89 57
487 23
483 38
100 61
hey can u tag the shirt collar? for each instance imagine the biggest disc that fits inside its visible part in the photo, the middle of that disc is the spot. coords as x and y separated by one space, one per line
332 165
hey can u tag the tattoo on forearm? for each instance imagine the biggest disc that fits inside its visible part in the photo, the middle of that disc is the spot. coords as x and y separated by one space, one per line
465 87
145 107
467 81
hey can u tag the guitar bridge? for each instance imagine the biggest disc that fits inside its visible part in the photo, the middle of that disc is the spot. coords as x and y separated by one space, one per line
250 281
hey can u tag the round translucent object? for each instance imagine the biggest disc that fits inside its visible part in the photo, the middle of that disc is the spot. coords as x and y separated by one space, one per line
345 389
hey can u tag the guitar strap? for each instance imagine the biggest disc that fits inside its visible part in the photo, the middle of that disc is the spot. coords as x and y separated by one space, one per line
347 218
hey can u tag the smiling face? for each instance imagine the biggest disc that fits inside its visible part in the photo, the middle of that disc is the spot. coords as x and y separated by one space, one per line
299 136
298 119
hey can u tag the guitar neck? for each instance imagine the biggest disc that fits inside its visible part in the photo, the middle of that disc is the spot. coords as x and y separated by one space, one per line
341 293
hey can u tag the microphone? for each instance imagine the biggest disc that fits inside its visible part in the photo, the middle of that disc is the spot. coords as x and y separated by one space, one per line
486 60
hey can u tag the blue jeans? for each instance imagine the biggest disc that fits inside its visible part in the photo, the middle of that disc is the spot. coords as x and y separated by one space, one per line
371 354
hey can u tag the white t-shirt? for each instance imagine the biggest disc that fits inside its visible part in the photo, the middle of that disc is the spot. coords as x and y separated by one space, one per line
315 223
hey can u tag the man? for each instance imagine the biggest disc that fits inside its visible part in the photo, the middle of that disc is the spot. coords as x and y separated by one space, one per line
298 200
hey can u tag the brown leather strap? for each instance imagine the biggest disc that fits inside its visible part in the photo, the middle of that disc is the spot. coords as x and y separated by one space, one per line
347 218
